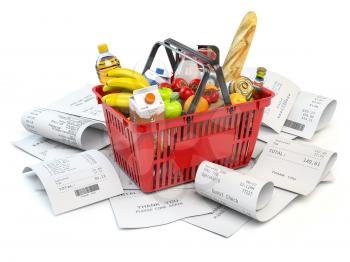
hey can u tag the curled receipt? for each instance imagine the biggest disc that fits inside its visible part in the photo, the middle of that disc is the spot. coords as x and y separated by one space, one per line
77 180
245 194
71 130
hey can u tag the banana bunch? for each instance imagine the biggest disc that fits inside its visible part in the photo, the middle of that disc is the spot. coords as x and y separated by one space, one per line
124 79
118 100
121 86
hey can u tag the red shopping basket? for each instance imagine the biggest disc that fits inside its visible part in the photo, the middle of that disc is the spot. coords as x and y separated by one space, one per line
166 153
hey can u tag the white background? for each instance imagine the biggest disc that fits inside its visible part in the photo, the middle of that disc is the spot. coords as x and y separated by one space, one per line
48 49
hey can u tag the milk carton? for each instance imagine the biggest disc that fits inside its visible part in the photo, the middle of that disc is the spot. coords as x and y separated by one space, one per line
157 77
146 105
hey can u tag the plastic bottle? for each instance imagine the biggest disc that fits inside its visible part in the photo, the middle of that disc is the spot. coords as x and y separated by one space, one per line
259 78
188 70
213 55
105 62
258 82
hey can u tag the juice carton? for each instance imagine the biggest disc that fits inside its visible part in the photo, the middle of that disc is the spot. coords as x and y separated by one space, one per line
146 105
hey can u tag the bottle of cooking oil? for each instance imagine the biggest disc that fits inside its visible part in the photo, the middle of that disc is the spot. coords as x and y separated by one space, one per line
105 62
258 82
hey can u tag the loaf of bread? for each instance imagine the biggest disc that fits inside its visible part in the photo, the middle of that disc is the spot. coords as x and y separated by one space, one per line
240 45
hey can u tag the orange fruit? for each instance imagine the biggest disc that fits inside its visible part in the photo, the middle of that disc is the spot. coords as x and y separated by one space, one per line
237 98
202 106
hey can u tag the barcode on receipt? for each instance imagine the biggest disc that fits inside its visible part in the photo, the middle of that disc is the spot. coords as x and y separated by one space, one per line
86 190
294 125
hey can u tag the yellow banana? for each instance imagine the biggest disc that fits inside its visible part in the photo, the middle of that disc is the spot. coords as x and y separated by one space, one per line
126 72
123 84
119 100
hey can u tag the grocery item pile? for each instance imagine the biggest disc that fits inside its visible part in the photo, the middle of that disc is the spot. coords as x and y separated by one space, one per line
177 89
193 142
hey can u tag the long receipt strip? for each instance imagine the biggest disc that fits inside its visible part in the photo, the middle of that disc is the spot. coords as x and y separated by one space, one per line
232 189
135 209
46 149
292 113
266 134
226 221
246 194
40 147
74 131
80 103
309 114
293 165
78 180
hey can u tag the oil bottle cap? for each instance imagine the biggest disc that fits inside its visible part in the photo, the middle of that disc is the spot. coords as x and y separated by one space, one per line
102 48
260 73
261 69
149 98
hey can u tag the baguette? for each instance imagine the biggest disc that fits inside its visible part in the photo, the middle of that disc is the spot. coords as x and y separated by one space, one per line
239 48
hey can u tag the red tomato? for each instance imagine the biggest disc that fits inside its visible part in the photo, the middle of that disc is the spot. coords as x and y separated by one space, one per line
194 83
165 84
211 94
186 92
178 83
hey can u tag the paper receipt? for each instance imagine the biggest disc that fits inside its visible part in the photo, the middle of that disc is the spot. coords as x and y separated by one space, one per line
242 193
266 134
77 180
135 209
223 221
81 102
39 146
71 130
293 165
309 114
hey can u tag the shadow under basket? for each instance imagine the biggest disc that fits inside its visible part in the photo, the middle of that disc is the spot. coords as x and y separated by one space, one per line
167 153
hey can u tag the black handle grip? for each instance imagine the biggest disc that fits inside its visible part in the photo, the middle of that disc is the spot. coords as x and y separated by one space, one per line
181 49
189 50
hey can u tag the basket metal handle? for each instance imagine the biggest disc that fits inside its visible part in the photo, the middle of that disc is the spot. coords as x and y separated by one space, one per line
171 46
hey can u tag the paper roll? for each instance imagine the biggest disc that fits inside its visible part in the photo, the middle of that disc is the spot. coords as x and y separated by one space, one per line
243 193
